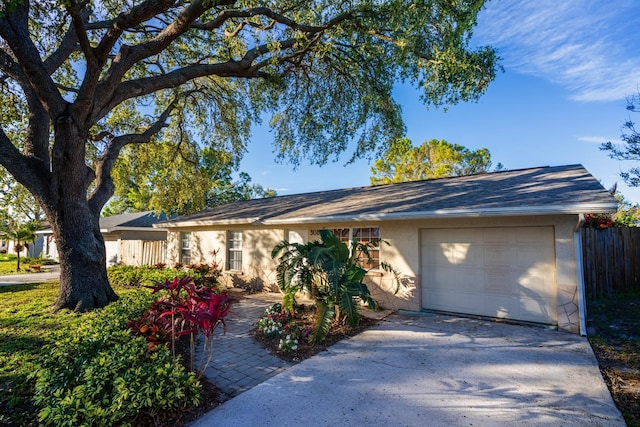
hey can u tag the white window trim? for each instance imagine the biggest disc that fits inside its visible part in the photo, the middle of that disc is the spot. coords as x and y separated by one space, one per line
229 249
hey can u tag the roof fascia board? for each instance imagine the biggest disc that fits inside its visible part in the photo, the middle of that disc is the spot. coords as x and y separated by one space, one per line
201 223
456 213
118 228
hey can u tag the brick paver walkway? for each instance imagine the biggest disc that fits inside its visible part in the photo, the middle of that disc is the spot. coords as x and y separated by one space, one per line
239 361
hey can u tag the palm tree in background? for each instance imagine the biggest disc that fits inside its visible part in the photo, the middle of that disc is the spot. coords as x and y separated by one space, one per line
22 235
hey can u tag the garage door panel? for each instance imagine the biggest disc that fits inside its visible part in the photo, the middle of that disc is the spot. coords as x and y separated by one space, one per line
498 235
435 256
535 286
467 280
459 280
497 256
506 272
530 235
499 280
502 307
533 255
443 301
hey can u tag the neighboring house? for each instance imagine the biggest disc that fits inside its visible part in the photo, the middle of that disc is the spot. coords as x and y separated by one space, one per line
129 239
502 245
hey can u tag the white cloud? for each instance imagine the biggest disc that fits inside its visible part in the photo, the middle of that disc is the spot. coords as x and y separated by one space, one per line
597 139
589 47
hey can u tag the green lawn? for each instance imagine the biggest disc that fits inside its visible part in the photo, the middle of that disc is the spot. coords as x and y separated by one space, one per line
8 264
26 324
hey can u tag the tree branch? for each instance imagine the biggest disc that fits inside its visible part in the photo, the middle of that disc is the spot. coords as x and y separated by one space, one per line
130 55
148 85
36 141
104 166
14 29
78 23
27 170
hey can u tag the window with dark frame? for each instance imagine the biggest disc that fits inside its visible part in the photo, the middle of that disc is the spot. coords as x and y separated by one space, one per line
234 248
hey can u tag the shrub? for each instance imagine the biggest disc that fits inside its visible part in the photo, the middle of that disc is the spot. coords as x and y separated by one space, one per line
127 275
184 309
98 373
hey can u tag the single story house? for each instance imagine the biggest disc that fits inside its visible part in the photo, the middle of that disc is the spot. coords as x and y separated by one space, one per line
503 244
129 239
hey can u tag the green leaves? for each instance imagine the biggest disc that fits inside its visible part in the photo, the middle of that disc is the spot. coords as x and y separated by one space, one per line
432 159
331 273
97 373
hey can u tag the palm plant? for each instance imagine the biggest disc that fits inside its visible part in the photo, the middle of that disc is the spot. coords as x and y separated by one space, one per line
331 273
21 235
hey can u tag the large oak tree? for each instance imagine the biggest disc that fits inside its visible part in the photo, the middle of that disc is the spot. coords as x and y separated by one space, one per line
81 80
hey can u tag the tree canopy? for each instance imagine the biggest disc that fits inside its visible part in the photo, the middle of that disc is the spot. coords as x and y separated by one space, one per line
16 202
403 162
82 80
191 180
630 147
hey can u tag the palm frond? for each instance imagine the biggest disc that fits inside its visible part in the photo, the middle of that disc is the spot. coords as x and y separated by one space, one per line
324 318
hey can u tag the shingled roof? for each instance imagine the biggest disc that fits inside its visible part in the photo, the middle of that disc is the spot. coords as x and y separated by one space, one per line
130 220
536 191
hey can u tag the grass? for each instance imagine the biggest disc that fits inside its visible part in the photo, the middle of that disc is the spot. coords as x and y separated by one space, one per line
26 324
616 344
8 264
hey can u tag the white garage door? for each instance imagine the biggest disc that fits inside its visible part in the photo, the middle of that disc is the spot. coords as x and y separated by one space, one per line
498 272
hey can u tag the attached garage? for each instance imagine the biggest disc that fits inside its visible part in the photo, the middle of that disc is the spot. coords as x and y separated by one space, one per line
503 272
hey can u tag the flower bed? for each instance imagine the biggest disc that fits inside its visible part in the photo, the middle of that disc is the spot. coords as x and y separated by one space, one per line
286 335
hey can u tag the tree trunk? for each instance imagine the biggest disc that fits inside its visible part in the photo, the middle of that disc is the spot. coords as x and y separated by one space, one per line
18 250
75 224
83 268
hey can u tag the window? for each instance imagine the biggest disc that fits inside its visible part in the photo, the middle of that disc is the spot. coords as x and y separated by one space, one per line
362 235
366 235
341 233
185 248
234 247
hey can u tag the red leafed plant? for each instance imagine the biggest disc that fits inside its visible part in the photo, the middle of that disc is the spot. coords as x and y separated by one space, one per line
184 310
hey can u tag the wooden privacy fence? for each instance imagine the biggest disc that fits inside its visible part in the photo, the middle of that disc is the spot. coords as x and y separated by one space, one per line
143 252
611 260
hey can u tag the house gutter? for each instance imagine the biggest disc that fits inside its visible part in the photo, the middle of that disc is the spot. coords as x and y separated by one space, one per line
450 213
582 298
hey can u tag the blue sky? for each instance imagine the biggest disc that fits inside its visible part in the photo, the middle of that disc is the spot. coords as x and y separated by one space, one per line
569 68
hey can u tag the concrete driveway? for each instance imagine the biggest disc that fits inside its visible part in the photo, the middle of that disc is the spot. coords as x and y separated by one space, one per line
432 370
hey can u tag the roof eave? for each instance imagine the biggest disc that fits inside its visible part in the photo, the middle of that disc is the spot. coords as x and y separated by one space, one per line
455 213
205 222
119 228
